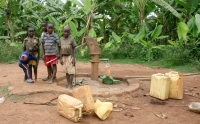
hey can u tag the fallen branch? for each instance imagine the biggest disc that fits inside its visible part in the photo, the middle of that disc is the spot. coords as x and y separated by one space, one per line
192 94
46 103
190 74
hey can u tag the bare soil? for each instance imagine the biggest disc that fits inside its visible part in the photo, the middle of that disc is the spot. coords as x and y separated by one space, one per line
136 107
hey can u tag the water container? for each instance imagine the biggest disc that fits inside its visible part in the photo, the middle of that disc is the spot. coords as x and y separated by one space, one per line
107 70
159 86
70 107
176 85
84 94
103 109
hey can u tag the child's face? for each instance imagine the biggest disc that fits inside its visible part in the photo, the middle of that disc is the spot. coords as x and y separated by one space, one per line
44 27
50 28
66 33
30 32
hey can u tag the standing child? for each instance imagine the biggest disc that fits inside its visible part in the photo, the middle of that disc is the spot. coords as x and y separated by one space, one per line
44 31
49 41
24 58
33 41
67 57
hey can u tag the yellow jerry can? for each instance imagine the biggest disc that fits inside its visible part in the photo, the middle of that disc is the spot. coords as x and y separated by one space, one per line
159 86
103 109
176 85
83 93
70 107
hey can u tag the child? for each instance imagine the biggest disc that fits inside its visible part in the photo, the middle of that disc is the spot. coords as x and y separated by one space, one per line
44 28
67 55
49 41
24 58
44 31
33 41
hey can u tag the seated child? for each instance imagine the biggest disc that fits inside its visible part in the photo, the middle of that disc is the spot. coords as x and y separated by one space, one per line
24 58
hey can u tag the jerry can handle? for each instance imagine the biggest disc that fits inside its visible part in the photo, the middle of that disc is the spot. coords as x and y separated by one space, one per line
173 72
80 112
159 74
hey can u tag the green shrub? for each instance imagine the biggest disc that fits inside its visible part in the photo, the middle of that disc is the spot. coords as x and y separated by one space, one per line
9 53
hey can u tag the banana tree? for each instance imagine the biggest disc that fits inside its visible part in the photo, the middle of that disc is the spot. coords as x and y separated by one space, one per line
190 30
148 40
167 7
10 10
88 7
187 7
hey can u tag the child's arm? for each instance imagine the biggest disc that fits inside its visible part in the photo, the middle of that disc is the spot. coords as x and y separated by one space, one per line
38 49
74 52
60 55
33 58
59 52
59 49
43 52
24 45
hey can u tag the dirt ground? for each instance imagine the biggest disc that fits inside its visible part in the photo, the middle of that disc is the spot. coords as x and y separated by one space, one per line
136 107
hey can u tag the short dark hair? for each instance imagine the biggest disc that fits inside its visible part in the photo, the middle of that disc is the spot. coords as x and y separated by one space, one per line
31 28
66 27
45 22
50 23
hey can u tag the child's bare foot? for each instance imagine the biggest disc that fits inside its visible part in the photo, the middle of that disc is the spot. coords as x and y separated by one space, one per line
46 79
50 81
69 86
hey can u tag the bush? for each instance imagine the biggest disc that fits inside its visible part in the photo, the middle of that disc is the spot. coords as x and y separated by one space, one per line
9 53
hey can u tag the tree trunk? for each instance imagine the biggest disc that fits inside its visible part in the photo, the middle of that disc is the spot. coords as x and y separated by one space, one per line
104 29
141 16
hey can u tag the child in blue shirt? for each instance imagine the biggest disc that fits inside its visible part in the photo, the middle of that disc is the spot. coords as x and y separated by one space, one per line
24 58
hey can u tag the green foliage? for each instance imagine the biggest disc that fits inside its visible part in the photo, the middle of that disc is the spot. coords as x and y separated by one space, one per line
192 27
182 31
92 33
168 7
20 33
189 5
197 21
123 29
9 53
87 6
156 32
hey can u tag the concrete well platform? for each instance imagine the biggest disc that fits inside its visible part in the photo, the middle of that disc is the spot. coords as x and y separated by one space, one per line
126 85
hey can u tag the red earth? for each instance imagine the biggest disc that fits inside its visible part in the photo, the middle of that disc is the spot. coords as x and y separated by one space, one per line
135 107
